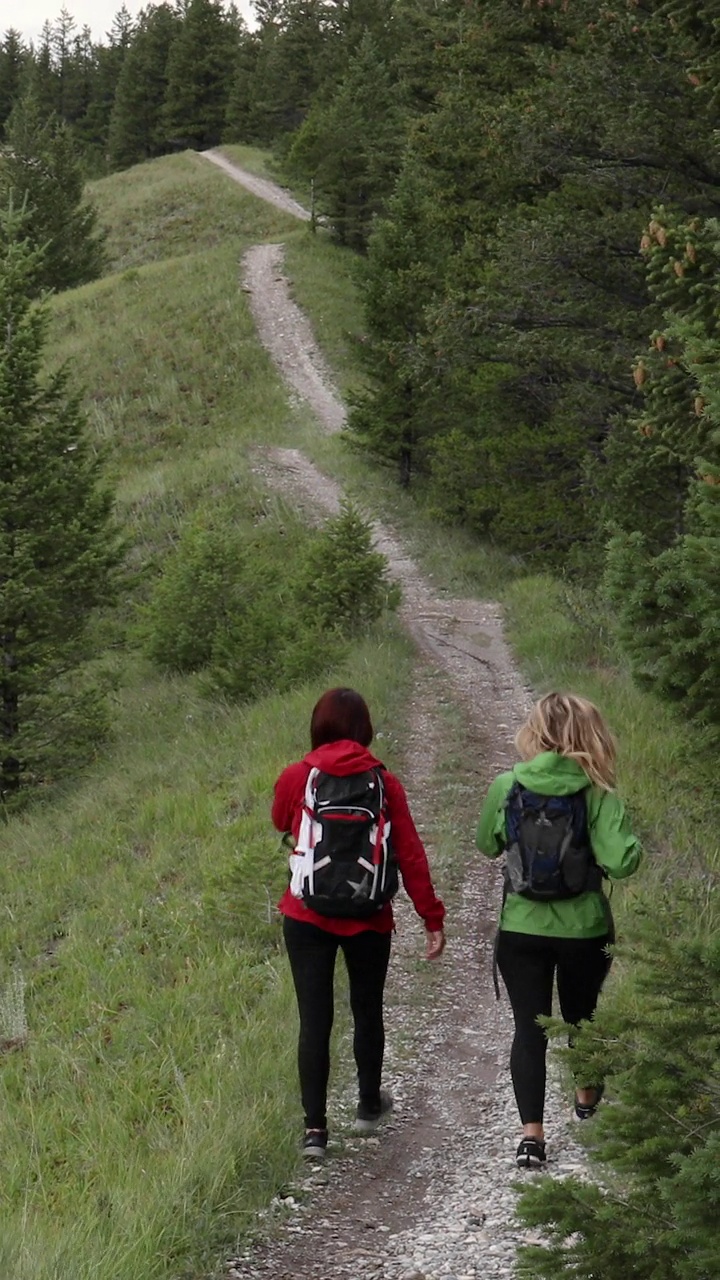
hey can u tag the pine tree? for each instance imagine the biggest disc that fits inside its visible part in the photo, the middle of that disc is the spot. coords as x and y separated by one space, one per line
350 146
109 59
241 117
13 56
662 569
136 124
80 86
42 170
62 41
442 203
399 278
295 60
40 81
199 72
57 544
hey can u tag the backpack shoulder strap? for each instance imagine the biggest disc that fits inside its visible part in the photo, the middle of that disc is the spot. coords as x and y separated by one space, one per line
580 814
311 787
379 770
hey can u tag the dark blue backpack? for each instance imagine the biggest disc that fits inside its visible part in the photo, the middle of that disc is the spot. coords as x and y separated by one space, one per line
548 855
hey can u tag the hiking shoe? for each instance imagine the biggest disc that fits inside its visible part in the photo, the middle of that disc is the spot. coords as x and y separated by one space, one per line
368 1120
314 1144
531 1153
584 1110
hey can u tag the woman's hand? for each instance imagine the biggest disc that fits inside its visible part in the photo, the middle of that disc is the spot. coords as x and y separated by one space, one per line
435 943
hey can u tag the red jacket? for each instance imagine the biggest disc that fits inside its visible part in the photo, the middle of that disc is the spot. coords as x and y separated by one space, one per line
342 758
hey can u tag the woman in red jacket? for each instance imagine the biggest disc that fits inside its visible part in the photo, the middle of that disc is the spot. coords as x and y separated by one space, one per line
340 733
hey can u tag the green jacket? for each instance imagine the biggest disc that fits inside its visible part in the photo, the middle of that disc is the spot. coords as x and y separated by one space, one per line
615 847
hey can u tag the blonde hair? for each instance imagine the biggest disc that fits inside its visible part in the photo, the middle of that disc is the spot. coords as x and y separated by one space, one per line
572 727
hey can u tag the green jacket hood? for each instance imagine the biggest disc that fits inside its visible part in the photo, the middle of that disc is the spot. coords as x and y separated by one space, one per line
551 774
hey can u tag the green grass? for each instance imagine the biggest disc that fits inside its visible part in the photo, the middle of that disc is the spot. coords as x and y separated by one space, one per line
179 205
153 1110
178 388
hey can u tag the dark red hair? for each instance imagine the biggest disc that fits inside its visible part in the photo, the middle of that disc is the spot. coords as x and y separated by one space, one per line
340 713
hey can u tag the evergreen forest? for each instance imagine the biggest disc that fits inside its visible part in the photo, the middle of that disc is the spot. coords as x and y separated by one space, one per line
532 190
521 198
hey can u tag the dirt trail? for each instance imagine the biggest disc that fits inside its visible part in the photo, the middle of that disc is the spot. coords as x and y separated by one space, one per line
261 187
433 1196
286 332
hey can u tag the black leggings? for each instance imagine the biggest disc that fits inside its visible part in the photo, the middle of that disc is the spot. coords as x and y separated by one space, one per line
312 953
528 964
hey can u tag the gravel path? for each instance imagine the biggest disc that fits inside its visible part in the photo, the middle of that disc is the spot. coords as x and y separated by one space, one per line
286 332
261 187
433 1196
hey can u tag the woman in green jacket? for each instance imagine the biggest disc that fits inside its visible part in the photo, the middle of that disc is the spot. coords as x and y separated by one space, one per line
567 750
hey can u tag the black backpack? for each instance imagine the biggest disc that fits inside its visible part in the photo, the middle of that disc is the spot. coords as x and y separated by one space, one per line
548 855
348 867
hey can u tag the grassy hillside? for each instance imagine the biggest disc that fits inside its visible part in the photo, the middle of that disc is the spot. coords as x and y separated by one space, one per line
177 384
153 1107
177 205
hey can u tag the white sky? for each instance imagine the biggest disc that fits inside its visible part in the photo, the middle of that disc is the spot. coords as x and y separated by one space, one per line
28 16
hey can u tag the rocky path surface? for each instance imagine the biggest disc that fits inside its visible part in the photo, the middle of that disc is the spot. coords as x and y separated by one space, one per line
433 1195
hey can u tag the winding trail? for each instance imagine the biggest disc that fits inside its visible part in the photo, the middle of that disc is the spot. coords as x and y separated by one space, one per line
433 1197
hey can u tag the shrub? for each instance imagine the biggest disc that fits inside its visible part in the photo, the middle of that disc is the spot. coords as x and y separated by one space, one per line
260 608
343 583
190 601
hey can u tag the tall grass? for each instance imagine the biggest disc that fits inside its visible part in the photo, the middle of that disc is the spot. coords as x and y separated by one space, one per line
153 1109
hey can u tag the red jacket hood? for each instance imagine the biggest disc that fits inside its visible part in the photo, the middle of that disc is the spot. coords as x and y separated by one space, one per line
342 758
